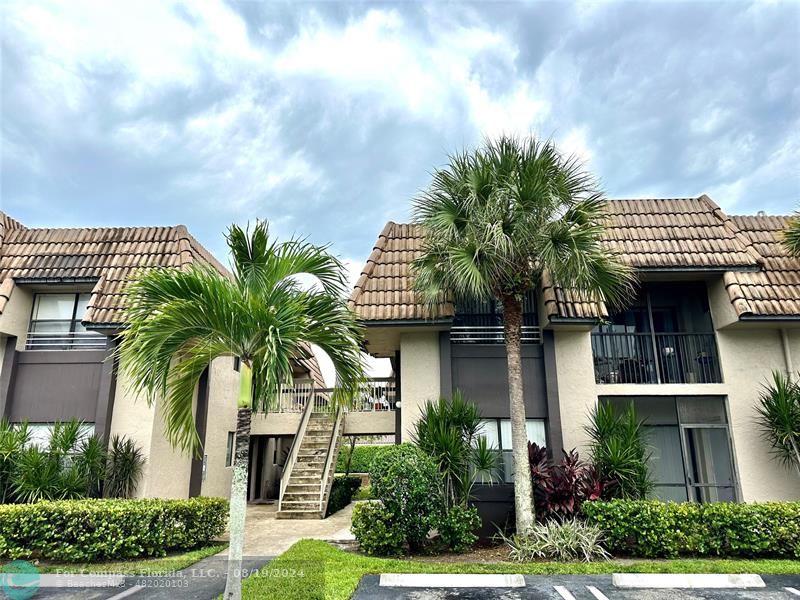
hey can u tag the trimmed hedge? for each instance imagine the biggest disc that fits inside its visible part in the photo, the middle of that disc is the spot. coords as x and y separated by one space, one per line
91 530
362 458
649 528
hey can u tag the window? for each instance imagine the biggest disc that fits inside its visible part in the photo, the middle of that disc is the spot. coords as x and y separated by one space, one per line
690 442
40 433
56 323
229 449
498 436
237 364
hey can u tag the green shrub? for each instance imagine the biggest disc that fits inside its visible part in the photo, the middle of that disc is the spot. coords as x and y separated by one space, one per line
362 458
667 529
124 468
377 530
620 452
363 493
408 484
92 530
457 528
342 490
559 540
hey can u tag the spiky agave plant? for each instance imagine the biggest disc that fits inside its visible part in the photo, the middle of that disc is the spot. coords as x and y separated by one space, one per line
124 467
778 411
178 321
497 222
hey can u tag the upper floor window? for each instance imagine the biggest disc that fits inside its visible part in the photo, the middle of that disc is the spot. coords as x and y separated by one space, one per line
665 336
56 323
481 322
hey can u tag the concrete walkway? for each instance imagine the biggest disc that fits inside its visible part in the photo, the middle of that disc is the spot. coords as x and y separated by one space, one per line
266 536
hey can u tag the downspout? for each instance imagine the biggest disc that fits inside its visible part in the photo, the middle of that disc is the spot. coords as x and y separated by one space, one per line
787 352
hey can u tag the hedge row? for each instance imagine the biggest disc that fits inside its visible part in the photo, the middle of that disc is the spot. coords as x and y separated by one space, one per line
91 530
362 458
668 529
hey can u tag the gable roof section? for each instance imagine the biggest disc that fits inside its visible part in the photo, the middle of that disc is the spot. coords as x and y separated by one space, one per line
676 234
105 256
773 292
384 291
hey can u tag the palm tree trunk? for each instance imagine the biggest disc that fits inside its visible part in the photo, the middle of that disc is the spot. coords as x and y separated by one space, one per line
238 505
523 492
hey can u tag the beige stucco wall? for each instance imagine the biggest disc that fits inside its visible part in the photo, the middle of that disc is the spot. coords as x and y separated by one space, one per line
748 356
577 396
369 423
166 471
223 392
17 314
419 376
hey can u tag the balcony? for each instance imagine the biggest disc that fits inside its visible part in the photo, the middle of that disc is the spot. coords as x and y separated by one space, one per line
380 395
65 340
655 357
491 334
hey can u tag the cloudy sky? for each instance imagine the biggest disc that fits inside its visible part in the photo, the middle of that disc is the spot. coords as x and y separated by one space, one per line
326 118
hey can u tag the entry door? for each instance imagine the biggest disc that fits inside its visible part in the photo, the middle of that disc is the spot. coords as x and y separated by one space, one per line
708 464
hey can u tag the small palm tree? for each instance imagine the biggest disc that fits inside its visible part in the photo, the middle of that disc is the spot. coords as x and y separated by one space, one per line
791 236
498 219
778 411
179 321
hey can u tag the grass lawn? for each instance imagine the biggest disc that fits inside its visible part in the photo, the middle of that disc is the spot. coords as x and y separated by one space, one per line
316 570
138 566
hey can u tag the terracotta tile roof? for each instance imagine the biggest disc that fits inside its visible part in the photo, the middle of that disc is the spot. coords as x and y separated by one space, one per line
105 256
384 292
775 290
650 234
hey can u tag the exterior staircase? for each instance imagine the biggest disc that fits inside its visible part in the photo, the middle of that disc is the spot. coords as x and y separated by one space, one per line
310 468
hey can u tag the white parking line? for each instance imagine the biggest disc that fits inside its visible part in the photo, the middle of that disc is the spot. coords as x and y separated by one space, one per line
596 593
563 592
686 580
794 591
129 592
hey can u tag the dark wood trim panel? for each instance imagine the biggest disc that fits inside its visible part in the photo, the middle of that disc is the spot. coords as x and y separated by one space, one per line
555 439
7 376
201 421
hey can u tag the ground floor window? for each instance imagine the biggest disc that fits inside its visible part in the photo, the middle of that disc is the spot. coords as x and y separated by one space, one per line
498 436
39 434
690 443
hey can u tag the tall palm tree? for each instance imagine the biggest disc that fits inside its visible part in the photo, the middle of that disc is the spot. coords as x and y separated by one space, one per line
496 220
791 236
179 321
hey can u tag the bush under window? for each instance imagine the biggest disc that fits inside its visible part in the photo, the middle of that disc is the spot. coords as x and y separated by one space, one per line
650 528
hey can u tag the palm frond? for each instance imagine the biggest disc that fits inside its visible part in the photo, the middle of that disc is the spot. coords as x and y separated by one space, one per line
791 236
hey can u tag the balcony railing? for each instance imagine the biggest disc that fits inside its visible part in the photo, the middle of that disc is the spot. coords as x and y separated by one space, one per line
655 358
491 334
60 340
379 395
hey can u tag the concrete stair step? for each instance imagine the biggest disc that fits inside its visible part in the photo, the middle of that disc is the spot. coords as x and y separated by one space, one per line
303 488
303 480
301 496
299 514
300 505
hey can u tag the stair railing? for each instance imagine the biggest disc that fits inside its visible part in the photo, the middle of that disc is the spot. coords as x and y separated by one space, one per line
330 463
294 450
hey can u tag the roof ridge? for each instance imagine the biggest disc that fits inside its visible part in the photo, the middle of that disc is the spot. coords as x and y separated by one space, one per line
728 223
369 266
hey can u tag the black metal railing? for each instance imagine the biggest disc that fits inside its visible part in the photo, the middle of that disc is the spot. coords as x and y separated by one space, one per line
655 358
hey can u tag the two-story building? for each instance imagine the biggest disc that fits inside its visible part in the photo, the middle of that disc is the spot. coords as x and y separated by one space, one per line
717 310
61 308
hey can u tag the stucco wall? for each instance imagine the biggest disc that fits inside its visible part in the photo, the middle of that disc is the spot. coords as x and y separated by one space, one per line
748 356
577 396
223 391
167 471
419 376
17 314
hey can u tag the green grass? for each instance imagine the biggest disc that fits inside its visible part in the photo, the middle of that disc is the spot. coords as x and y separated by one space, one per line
143 566
313 569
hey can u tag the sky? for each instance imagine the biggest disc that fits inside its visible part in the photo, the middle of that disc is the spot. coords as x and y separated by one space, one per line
327 118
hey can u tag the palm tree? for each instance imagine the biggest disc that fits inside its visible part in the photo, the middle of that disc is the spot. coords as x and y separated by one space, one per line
778 416
179 321
791 236
498 219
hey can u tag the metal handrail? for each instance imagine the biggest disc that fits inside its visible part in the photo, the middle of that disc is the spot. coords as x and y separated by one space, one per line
329 461
66 340
646 357
294 449
492 334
